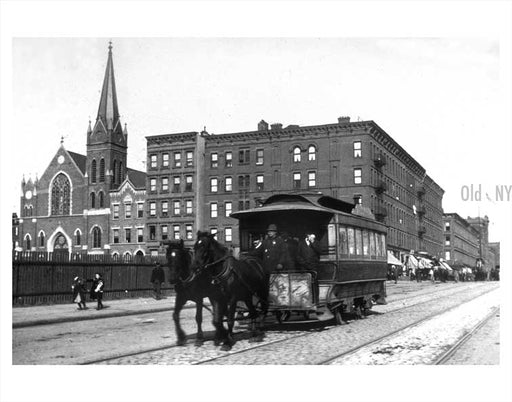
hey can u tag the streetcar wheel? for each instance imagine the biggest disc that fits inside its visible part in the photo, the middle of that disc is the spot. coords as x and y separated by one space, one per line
337 317
279 317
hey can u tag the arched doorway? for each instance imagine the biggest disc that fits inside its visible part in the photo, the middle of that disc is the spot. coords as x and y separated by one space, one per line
60 246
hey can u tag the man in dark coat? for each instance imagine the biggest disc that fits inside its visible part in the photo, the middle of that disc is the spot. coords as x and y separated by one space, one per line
157 278
97 290
272 251
308 254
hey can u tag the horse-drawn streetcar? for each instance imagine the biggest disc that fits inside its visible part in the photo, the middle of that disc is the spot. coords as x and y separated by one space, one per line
350 274
346 273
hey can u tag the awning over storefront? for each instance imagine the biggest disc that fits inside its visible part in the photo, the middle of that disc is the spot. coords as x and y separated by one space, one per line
412 262
425 263
393 260
445 266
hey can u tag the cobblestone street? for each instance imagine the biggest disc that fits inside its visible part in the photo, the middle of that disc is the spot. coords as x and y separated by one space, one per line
148 337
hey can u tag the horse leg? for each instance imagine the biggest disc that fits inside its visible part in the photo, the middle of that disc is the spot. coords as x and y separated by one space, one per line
218 314
256 335
180 334
199 321
231 318
226 310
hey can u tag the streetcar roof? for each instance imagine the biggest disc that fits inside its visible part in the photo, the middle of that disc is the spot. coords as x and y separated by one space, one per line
316 203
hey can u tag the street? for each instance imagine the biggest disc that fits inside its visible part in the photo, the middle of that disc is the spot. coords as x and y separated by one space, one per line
149 338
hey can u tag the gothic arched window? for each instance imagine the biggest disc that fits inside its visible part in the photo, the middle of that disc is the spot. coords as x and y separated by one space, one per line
96 237
101 199
27 242
114 172
93 171
61 195
120 173
78 236
41 239
93 200
102 170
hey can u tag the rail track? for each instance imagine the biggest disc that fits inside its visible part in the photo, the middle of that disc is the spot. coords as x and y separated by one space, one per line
420 299
445 357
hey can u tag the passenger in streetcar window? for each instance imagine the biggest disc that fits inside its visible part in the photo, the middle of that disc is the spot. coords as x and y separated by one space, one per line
309 252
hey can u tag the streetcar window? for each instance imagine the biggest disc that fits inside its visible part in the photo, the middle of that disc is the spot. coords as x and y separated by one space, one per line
378 245
372 245
351 241
343 241
359 243
383 240
366 243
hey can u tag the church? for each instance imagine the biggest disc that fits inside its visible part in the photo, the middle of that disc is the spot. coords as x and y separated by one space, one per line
81 202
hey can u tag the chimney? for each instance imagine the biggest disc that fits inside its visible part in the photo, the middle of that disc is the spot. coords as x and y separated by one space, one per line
263 126
344 119
276 126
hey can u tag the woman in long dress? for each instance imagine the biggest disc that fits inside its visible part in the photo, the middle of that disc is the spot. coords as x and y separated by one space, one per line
78 288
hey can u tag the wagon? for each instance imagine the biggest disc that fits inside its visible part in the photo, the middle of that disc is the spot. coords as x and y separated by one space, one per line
351 274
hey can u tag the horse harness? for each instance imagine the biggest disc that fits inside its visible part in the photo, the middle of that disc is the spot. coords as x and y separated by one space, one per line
228 271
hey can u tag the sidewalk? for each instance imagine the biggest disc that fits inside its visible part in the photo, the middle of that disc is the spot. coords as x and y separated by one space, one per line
57 313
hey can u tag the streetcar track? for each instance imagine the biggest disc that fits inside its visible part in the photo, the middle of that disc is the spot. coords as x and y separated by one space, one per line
428 292
290 338
464 339
353 350
391 334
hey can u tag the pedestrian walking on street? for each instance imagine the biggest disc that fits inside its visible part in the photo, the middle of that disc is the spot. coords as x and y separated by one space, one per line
97 290
78 288
157 278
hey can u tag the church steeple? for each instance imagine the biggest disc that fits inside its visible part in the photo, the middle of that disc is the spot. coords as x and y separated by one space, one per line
107 120
107 141
108 111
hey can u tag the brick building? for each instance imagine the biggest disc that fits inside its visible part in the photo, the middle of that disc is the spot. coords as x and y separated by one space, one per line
354 161
15 231
127 206
461 241
481 226
68 208
495 247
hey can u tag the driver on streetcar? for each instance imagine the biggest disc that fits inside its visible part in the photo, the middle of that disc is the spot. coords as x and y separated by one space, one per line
272 251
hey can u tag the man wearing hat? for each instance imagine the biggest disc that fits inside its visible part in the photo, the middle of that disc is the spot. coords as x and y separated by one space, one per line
272 251
309 252
157 278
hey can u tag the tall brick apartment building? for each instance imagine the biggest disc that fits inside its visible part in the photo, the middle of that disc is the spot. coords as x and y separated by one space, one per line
68 209
461 241
195 180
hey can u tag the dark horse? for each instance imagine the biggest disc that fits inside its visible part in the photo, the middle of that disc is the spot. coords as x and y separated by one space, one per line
237 280
189 285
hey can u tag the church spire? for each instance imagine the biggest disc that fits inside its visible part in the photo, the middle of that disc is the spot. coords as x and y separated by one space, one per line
108 111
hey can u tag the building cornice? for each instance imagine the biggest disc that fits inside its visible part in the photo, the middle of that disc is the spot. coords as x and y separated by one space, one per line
170 138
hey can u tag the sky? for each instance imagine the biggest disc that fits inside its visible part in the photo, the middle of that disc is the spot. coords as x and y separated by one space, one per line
439 98
433 75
